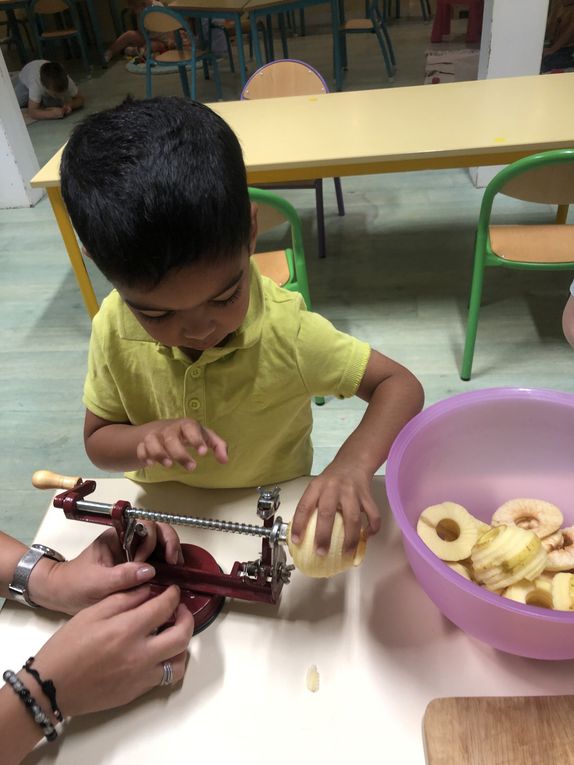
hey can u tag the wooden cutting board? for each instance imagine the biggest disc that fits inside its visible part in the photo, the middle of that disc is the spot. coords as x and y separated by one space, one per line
521 730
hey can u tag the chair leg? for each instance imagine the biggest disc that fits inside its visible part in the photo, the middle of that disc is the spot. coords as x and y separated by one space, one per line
473 311
424 10
388 63
80 37
322 252
339 195
217 79
182 71
343 46
193 74
148 87
270 38
302 21
385 30
229 51
283 34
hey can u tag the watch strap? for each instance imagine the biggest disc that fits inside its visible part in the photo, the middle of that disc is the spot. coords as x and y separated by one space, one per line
19 586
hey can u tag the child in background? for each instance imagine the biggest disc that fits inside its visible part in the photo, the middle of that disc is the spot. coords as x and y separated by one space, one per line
132 43
201 370
46 90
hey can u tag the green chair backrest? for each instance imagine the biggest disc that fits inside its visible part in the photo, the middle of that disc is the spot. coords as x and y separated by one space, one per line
295 254
546 178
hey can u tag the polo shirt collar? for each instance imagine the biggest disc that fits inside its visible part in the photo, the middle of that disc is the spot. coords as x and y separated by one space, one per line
246 336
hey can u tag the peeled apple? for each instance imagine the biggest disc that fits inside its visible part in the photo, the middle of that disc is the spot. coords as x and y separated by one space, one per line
334 562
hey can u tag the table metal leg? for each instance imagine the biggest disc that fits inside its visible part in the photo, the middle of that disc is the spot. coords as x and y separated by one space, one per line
255 40
73 250
335 24
97 30
269 21
15 33
240 51
116 17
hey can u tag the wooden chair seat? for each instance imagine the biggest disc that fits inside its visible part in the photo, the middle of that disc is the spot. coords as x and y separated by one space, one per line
533 244
273 265
57 34
357 24
176 56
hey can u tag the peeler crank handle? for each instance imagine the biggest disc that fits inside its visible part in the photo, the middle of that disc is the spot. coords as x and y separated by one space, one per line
46 479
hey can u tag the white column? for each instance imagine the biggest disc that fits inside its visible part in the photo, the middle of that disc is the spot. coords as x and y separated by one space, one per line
511 46
18 161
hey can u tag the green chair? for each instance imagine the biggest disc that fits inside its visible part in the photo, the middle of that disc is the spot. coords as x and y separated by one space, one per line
157 19
546 178
287 267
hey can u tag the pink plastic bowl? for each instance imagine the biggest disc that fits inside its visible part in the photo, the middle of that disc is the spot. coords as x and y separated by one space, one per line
480 449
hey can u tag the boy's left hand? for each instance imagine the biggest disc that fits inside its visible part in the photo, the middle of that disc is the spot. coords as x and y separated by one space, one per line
100 570
339 488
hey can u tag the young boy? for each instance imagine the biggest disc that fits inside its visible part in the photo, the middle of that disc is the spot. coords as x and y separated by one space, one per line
47 91
200 370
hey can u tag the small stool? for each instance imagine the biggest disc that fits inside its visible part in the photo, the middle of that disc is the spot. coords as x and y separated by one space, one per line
441 24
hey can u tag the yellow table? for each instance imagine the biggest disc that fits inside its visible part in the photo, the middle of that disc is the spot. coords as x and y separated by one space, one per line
464 124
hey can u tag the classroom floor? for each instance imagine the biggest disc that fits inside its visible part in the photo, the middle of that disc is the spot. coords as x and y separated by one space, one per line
397 275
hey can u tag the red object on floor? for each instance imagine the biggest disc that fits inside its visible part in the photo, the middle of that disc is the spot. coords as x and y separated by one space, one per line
441 24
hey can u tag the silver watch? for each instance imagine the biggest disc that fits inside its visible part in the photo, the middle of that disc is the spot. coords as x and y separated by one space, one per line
19 586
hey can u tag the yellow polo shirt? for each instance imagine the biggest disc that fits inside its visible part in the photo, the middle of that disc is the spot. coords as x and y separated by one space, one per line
255 392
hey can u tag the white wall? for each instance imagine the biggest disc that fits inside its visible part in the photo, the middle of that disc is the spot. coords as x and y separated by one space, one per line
511 46
18 161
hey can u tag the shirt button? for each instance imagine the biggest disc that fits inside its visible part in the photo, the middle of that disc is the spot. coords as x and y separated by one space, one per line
195 372
195 403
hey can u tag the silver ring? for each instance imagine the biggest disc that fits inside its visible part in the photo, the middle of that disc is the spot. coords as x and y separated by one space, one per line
167 676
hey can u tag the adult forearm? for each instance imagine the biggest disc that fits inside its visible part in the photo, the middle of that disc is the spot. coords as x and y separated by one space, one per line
19 733
10 553
393 403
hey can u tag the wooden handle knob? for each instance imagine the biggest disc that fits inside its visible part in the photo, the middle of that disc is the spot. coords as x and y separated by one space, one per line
45 479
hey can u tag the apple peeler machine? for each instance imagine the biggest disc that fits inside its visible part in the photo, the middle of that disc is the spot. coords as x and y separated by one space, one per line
203 585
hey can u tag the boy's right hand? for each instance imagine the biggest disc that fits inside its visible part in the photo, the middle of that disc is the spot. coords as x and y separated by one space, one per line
168 441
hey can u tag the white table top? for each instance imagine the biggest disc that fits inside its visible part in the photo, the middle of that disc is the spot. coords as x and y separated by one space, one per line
382 649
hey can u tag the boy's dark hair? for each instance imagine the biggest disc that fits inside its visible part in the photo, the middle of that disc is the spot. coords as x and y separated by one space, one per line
53 77
153 186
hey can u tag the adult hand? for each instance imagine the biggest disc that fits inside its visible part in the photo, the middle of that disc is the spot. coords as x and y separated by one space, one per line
109 653
100 570
168 441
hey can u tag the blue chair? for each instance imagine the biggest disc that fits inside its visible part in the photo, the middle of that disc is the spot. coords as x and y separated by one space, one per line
59 10
374 23
387 10
159 20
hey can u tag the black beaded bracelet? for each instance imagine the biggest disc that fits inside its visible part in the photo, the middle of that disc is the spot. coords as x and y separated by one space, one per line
47 686
31 705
